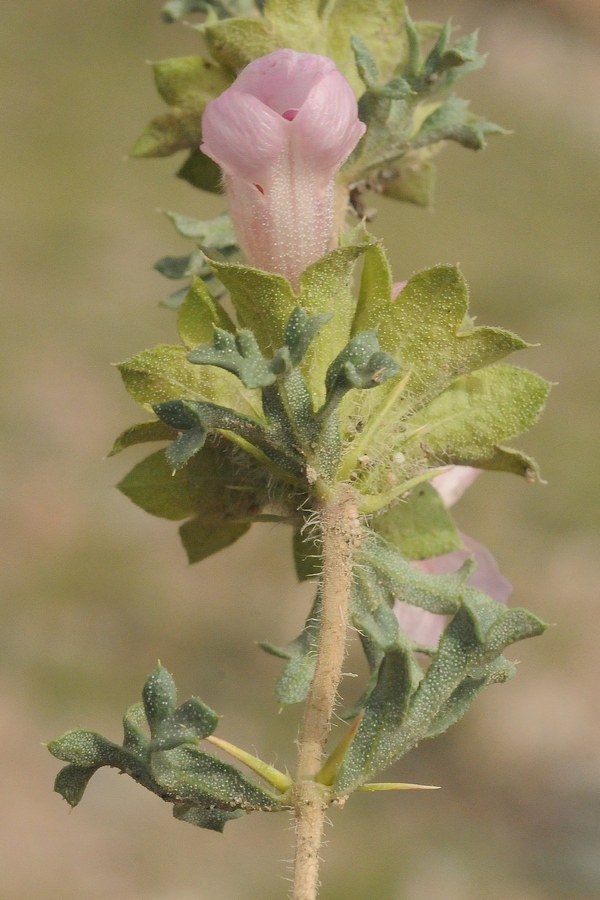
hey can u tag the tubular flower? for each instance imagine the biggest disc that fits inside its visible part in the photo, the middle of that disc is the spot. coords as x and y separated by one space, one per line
280 133
425 627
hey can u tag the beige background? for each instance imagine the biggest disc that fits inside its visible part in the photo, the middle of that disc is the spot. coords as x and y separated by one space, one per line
94 591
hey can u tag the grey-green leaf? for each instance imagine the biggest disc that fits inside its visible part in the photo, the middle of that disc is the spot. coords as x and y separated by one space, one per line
72 781
190 722
212 819
202 779
160 698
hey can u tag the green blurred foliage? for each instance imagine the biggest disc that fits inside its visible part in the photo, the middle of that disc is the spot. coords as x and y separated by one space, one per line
95 591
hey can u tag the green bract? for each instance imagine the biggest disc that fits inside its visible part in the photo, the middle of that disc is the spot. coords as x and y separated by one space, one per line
382 393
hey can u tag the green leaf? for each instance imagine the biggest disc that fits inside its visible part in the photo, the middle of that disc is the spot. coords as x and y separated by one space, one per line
375 294
239 354
386 708
468 652
512 626
461 699
413 178
72 781
464 424
172 131
177 267
422 327
263 302
217 233
175 10
213 819
372 614
210 486
506 459
420 526
325 286
204 790
263 440
365 62
198 316
297 25
199 778
236 42
84 748
307 555
174 300
427 327
440 594
187 445
452 121
202 172
361 364
301 331
380 25
296 678
160 698
192 721
201 537
135 725
143 433
189 82
164 373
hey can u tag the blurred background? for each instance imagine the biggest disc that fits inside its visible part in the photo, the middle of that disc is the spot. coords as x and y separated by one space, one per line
94 591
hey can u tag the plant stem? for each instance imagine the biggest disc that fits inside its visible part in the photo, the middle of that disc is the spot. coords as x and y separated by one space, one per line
341 535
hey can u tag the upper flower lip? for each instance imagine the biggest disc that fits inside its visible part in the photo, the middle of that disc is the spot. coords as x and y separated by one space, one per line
283 79
299 100
243 135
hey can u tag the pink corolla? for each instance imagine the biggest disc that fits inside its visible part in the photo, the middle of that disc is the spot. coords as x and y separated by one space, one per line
280 133
425 627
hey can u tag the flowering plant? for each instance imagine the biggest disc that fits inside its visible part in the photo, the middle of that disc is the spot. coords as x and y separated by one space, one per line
357 419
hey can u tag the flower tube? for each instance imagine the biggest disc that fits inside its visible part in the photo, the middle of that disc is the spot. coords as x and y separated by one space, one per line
280 133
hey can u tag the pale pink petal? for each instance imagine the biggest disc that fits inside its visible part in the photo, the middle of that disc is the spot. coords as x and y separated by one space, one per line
487 576
422 626
283 79
425 627
327 128
243 136
452 484
397 287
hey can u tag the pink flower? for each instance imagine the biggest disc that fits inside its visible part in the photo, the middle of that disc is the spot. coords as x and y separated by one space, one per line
452 483
280 133
425 627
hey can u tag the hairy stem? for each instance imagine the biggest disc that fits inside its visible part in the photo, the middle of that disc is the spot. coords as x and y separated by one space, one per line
341 534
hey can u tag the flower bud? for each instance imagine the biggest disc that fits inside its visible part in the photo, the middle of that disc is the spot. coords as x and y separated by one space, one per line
280 133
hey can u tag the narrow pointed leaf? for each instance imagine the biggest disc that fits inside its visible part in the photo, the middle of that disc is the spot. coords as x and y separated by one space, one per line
142 433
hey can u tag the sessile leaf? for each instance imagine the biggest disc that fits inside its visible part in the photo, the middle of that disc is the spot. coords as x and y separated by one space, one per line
164 373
